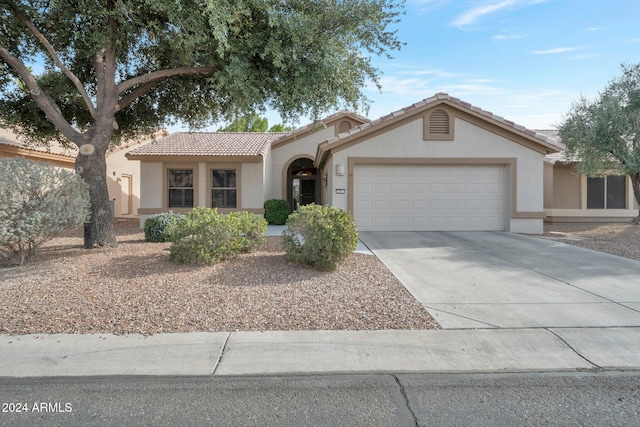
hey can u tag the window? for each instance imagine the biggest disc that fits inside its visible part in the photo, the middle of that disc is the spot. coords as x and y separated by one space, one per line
180 188
609 192
223 188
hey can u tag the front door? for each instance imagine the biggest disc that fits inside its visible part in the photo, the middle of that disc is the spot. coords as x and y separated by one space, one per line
303 184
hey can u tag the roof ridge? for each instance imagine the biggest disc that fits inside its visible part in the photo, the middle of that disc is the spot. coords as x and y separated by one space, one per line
442 96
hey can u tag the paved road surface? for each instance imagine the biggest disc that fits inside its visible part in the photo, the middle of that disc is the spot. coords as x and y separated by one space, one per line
586 399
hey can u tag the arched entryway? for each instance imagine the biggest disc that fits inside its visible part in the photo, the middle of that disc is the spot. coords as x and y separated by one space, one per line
302 183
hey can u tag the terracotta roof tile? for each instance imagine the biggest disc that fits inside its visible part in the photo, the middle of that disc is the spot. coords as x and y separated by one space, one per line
312 125
210 144
443 96
7 137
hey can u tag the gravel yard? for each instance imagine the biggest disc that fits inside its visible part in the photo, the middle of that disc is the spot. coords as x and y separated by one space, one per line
136 289
622 239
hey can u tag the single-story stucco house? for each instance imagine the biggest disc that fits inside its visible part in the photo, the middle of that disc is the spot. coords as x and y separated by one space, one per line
439 164
570 197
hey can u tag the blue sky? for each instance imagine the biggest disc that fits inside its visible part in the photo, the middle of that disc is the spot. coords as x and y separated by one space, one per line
525 60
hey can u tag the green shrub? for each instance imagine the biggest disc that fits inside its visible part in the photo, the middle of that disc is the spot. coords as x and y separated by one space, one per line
250 228
203 236
276 211
320 236
156 226
37 201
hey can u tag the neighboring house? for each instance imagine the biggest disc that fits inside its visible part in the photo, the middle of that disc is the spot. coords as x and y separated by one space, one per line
570 197
123 176
440 164
55 154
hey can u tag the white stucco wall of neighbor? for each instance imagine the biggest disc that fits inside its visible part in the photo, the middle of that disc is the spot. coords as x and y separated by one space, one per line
471 142
282 155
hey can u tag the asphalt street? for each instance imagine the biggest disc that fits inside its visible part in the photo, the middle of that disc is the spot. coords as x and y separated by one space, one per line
576 398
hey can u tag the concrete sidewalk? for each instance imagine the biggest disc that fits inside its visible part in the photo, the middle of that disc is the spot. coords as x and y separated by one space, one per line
306 352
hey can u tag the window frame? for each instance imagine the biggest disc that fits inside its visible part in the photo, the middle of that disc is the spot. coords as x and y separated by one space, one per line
166 188
210 189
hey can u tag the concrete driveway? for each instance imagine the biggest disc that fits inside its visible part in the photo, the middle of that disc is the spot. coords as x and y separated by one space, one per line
506 280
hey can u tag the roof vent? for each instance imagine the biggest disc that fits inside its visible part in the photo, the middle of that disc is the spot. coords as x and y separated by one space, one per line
439 122
344 126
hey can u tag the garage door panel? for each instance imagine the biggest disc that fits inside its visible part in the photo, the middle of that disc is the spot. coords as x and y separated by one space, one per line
424 198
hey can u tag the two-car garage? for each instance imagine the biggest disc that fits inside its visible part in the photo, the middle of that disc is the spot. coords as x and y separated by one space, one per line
438 165
391 197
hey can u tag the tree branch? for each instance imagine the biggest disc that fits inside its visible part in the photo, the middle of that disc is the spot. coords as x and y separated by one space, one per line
56 59
156 77
133 95
44 101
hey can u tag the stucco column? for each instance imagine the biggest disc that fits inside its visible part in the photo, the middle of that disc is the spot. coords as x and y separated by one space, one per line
202 184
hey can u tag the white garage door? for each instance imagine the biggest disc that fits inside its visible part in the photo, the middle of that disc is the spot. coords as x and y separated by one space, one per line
429 198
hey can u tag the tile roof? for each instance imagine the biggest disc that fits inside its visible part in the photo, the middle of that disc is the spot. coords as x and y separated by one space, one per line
8 137
209 144
555 157
444 97
320 122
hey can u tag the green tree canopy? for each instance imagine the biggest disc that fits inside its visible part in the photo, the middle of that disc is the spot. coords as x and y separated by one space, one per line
252 122
280 127
603 135
247 123
117 69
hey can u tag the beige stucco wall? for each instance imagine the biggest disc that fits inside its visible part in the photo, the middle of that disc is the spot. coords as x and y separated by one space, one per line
283 155
250 185
566 188
470 142
119 171
151 185
569 202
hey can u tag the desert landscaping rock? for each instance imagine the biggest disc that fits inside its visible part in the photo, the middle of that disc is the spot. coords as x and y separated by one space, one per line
136 289
622 239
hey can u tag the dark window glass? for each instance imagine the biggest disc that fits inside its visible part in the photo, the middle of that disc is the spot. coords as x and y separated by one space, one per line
223 188
616 192
609 192
595 193
180 188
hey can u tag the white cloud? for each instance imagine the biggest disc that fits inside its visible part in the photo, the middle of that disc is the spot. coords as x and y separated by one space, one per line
508 36
554 51
634 41
472 15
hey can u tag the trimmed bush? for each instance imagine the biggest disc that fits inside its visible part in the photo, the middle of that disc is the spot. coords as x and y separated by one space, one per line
203 236
156 226
37 201
276 211
320 236
250 229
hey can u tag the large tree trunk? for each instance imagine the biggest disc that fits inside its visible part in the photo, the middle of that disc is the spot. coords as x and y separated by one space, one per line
92 167
635 182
